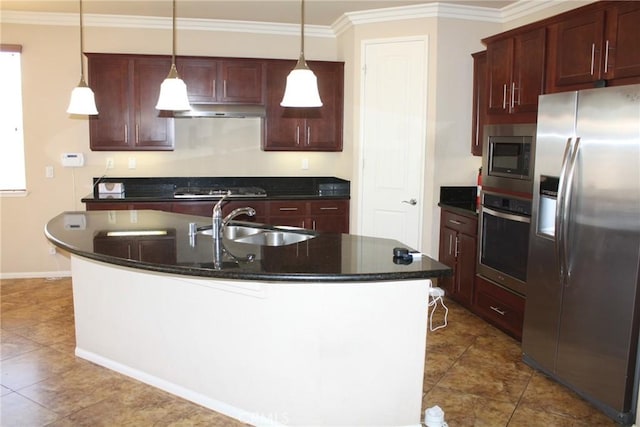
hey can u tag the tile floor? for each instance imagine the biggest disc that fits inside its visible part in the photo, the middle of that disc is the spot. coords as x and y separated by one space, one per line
473 372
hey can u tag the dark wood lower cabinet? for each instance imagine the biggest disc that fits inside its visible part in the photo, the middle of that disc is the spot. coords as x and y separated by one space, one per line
500 307
458 251
321 215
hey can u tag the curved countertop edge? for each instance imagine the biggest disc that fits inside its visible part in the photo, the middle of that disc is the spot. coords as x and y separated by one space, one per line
233 275
170 199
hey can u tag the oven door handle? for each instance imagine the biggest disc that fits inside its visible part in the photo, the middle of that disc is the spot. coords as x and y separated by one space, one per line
505 215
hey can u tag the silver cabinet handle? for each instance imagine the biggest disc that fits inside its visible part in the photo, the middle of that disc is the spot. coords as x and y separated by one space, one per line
298 135
497 310
126 134
214 89
224 88
137 134
329 208
593 56
504 96
457 252
308 135
606 57
287 209
450 243
411 202
456 222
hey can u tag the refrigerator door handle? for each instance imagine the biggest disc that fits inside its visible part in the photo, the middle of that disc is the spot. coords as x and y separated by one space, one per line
570 174
559 242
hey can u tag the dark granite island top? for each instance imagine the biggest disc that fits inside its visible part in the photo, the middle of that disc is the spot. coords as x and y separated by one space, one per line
165 246
277 336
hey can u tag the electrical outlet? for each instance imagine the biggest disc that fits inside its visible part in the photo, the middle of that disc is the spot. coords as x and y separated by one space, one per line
132 162
52 250
110 163
48 171
305 164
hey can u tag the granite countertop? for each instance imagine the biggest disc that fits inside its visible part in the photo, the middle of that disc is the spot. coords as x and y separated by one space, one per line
161 189
328 257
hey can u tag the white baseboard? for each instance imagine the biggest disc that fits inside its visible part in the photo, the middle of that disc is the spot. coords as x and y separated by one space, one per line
35 275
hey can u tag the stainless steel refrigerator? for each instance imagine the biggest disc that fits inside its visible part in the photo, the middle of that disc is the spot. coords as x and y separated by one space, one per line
581 319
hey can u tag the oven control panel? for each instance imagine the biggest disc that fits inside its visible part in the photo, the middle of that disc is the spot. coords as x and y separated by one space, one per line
507 204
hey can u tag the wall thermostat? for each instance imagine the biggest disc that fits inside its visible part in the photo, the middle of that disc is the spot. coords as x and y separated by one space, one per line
72 160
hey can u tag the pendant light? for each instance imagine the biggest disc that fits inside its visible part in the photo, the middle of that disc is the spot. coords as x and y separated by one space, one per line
173 91
302 84
82 98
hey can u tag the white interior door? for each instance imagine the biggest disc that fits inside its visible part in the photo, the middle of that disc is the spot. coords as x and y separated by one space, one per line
393 133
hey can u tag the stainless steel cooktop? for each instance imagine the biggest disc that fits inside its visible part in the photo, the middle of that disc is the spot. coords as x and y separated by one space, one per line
217 192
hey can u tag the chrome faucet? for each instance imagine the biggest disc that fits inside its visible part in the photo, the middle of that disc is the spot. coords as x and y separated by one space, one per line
218 223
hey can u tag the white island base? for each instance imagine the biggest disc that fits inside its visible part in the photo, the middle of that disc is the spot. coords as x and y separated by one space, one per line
265 353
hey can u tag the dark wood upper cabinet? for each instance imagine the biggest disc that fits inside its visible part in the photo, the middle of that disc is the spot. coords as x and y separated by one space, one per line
515 72
228 81
304 129
594 44
126 89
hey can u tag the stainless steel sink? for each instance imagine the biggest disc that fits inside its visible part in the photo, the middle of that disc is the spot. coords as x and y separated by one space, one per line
275 238
261 236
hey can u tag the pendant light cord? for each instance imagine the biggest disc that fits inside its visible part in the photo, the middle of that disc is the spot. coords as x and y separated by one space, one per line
173 33
302 29
81 47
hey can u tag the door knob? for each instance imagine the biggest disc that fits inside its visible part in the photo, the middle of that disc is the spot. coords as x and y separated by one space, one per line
412 202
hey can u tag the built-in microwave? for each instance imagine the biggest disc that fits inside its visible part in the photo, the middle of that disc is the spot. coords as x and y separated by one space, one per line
508 156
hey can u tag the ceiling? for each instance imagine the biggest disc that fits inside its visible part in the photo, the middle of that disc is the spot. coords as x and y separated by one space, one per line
317 12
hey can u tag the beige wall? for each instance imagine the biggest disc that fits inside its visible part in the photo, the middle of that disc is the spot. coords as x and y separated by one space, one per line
223 147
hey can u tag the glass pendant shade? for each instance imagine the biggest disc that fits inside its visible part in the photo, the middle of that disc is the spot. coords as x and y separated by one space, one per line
301 89
173 93
82 100
173 90
302 85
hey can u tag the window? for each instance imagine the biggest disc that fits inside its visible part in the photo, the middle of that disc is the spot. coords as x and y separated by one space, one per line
12 165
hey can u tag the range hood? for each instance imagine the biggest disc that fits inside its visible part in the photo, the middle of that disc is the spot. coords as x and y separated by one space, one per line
222 111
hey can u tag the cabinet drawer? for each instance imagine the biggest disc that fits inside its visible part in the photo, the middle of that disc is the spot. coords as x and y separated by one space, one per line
329 207
500 307
285 208
459 222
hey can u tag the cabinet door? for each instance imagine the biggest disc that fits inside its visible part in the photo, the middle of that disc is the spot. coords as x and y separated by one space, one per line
579 49
529 70
466 268
200 76
447 256
109 79
323 127
282 125
499 69
329 215
305 129
479 101
622 54
152 131
242 81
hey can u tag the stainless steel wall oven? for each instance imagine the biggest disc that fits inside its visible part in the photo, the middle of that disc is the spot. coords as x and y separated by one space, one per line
504 240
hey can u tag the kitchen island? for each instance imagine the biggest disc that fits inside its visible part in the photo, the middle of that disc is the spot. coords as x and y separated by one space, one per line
327 331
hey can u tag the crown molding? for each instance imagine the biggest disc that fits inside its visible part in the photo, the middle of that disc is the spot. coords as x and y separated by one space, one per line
151 22
430 10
